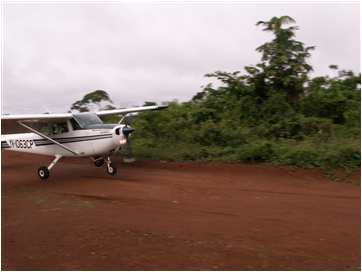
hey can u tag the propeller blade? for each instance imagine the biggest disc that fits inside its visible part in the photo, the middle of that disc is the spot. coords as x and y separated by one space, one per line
128 158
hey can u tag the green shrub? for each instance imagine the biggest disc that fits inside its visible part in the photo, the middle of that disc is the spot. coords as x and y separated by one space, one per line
322 127
288 128
343 157
302 158
256 152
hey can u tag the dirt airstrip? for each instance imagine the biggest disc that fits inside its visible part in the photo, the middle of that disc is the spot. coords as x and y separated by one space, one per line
166 216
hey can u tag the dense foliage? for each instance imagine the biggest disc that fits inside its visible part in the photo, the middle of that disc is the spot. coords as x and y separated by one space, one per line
273 112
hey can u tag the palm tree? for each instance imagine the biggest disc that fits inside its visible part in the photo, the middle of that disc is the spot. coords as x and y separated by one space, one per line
284 59
275 24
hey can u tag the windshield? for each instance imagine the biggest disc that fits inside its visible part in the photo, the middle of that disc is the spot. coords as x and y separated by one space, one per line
87 119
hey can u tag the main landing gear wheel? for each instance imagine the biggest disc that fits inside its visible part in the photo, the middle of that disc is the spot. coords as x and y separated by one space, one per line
43 173
111 169
99 162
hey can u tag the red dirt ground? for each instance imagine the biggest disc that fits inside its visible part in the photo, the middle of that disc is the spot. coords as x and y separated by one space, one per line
167 216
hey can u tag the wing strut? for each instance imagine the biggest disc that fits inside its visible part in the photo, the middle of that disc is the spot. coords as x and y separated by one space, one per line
48 138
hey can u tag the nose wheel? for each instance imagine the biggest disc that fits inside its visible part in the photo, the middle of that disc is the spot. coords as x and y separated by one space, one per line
111 169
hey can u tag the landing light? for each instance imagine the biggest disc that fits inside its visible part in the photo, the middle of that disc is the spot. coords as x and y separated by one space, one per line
123 141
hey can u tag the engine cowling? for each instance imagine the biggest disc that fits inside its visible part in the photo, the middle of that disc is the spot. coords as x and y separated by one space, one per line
121 134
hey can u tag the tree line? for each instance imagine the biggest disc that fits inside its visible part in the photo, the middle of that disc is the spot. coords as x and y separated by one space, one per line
272 112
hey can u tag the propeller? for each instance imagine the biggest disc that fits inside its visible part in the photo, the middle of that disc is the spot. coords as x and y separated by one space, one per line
127 131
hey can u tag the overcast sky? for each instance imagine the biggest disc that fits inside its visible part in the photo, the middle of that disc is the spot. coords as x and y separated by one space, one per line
56 53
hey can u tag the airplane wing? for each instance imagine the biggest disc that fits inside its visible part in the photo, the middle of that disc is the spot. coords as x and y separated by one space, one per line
129 110
10 125
29 117
64 116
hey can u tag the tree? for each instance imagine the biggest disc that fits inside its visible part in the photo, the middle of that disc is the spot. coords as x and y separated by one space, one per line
284 66
96 100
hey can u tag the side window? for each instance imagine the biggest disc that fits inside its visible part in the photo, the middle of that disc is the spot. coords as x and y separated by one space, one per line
45 128
58 128
75 124
53 128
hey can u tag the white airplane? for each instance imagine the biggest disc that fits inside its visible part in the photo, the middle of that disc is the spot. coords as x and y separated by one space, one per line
70 135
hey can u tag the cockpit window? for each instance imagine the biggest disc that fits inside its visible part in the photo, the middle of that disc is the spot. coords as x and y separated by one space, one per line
87 119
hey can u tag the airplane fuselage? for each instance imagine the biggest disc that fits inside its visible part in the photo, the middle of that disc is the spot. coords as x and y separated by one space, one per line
86 142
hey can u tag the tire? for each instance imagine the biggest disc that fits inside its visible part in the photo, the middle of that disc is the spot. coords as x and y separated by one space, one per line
99 162
43 173
111 169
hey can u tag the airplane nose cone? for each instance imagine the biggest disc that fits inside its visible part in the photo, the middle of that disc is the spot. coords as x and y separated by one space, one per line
127 131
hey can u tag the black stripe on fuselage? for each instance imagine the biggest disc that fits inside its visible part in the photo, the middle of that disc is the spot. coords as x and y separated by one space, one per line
4 144
72 140
42 142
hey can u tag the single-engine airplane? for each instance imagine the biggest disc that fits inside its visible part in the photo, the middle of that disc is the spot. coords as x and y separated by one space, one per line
70 135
